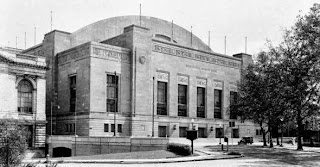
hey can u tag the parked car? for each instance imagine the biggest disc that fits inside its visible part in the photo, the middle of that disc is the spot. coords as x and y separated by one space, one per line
245 140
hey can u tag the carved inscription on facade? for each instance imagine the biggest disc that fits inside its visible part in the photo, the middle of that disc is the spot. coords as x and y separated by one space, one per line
201 82
218 85
162 76
197 56
183 80
201 68
73 54
122 57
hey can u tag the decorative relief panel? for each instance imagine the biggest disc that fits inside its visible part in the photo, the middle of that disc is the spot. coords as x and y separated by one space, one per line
73 54
201 82
162 76
183 80
233 88
195 56
218 85
122 57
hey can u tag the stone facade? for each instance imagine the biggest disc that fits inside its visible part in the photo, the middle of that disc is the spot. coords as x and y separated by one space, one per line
24 102
140 59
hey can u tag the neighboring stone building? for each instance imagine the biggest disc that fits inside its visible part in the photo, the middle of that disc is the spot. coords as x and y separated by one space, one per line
22 92
156 78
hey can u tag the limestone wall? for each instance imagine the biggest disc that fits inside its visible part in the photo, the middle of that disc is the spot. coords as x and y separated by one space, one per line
105 145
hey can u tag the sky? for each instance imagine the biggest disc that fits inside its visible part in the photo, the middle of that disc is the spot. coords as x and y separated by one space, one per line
258 20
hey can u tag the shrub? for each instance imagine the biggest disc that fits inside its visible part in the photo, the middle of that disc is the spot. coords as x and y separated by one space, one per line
13 143
180 149
30 164
311 145
234 153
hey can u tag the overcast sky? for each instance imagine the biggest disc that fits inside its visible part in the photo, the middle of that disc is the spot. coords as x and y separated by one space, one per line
257 20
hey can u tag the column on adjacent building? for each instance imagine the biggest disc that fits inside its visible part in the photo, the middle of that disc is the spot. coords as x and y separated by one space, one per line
8 93
40 113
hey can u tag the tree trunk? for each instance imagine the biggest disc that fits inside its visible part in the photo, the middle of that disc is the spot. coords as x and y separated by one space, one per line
263 136
7 164
278 143
271 142
299 122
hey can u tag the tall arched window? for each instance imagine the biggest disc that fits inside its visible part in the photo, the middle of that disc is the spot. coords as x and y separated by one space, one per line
25 96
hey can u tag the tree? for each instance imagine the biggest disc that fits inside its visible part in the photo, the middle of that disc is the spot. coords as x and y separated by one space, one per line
300 52
13 143
298 68
251 104
260 98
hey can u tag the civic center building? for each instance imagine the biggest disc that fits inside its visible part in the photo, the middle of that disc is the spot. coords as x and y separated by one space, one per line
140 77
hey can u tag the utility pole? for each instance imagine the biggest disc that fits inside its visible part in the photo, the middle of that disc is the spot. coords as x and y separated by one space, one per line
35 35
140 14
209 39
245 51
51 20
225 45
25 40
191 36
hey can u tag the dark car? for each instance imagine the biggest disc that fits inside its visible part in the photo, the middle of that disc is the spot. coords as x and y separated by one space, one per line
245 140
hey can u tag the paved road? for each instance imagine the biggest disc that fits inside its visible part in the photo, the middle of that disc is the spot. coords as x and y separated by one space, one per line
242 162
255 156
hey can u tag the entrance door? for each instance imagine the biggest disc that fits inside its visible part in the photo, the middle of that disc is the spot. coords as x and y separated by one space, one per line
29 137
201 132
182 131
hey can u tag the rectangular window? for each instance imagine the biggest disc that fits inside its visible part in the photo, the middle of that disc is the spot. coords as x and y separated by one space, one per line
202 132
73 92
233 100
120 128
201 102
162 131
162 98
67 128
106 127
217 103
219 133
112 128
182 100
235 133
112 93
182 131
72 128
258 132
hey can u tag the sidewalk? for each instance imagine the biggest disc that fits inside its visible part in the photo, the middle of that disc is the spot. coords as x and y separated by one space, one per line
294 147
203 155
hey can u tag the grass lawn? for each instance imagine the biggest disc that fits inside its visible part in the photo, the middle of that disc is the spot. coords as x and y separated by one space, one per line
158 154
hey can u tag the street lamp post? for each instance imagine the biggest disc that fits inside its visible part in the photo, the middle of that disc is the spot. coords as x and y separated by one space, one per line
220 133
51 113
192 121
192 128
152 107
116 102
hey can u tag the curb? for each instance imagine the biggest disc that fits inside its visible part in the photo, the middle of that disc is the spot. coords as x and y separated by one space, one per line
141 161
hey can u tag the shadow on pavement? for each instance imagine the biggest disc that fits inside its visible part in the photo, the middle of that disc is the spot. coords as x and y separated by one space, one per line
281 155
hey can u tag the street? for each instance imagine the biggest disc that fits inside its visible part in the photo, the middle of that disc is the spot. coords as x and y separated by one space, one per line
254 155
241 162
